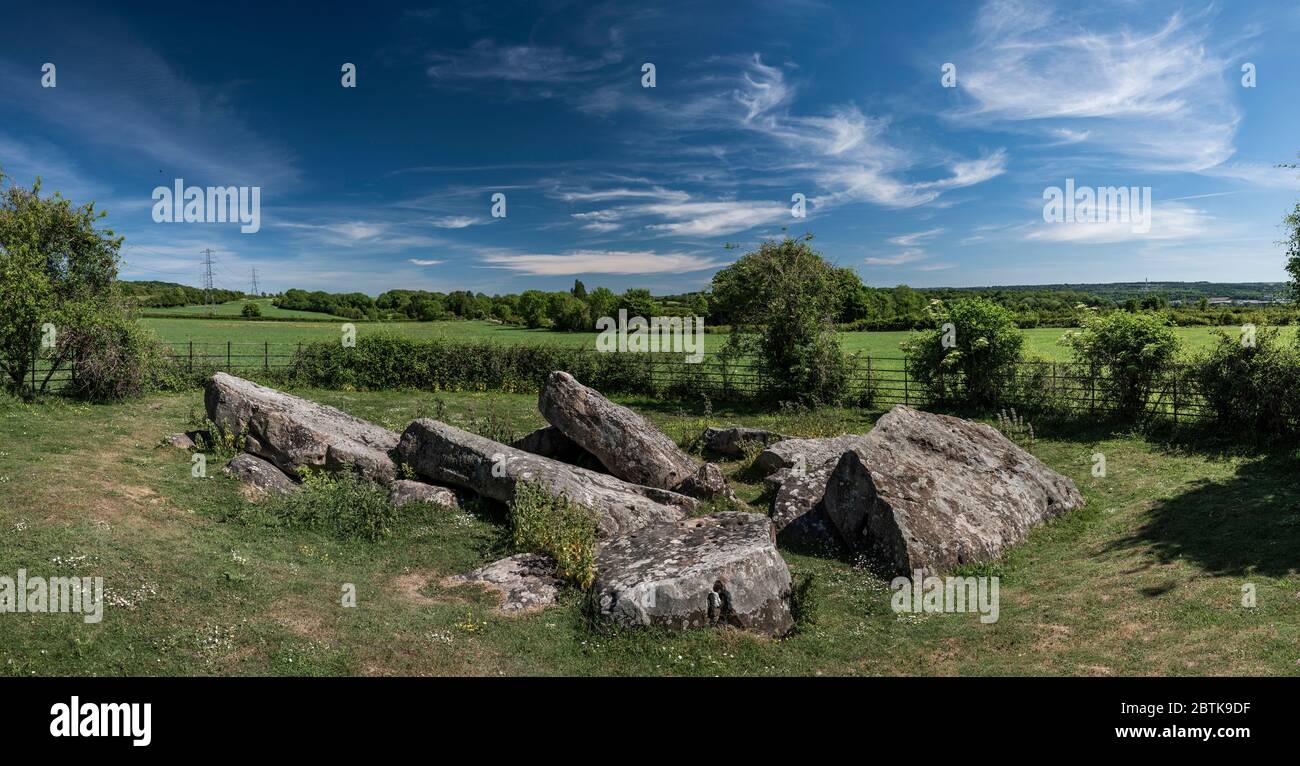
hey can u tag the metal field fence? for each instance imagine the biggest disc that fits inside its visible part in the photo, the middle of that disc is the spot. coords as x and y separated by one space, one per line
873 381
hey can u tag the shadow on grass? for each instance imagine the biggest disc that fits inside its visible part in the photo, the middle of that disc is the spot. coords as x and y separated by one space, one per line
1249 524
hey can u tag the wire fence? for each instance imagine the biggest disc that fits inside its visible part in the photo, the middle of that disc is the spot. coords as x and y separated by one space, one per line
873 381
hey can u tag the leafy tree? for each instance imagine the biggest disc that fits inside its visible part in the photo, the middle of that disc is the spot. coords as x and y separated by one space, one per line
782 298
1292 245
638 302
579 289
250 310
56 267
532 308
602 302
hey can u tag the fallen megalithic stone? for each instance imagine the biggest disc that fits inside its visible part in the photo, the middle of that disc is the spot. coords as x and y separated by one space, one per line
261 476
803 454
447 455
932 492
403 491
525 582
729 442
551 442
628 445
295 433
710 571
798 513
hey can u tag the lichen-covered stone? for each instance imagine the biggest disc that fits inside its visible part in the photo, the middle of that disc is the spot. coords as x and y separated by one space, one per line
526 582
628 445
445 454
710 571
261 476
295 433
932 492
729 442
405 491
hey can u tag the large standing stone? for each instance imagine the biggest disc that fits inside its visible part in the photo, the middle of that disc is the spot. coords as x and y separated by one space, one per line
798 513
447 455
628 445
709 571
295 433
932 492
730 442
525 582
262 477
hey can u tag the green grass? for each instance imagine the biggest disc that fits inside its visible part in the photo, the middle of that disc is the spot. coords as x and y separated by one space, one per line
1145 580
233 309
1039 342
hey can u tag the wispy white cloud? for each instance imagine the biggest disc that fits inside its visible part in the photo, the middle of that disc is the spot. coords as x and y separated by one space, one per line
601 262
907 256
423 261
1157 98
907 240
1168 222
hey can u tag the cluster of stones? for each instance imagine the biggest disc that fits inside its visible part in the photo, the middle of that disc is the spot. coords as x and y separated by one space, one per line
920 491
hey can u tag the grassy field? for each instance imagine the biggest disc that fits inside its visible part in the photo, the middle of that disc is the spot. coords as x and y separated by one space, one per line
233 309
1039 342
1145 580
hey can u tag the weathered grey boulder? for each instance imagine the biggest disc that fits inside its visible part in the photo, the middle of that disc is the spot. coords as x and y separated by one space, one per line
294 433
262 477
730 442
551 442
708 571
805 454
932 492
526 582
798 513
403 491
190 440
447 455
628 445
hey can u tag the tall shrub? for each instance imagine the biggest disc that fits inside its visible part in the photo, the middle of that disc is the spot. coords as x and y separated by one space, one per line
1250 388
1127 353
969 355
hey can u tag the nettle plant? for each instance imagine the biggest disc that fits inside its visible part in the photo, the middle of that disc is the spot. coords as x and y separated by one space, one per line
969 354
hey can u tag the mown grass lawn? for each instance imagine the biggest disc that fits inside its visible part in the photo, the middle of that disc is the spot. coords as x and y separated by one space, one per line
1146 580
235 309
1040 342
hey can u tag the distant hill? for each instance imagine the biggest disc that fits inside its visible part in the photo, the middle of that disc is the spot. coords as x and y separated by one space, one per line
1118 292
151 294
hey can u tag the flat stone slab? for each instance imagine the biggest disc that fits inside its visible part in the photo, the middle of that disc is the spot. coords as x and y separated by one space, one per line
710 571
261 476
525 582
729 442
403 491
933 492
296 433
805 454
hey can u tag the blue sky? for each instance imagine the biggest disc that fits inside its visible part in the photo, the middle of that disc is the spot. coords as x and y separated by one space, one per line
388 184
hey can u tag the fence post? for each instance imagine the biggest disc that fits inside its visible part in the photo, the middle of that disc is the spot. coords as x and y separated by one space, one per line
228 367
266 356
1176 395
191 356
34 358
906 395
